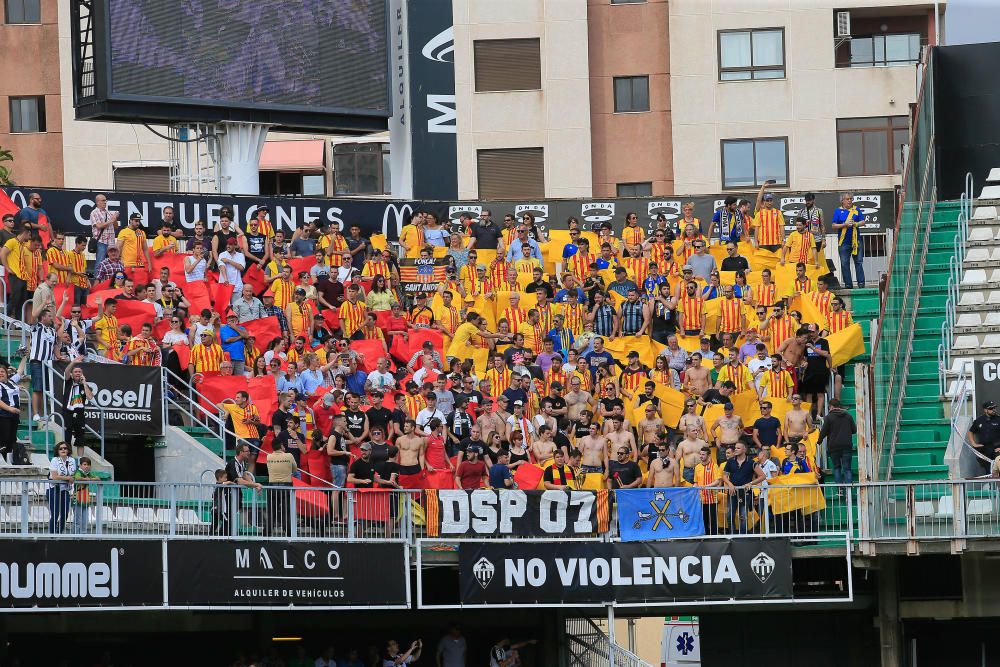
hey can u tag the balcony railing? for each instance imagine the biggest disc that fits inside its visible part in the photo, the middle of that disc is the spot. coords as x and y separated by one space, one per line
875 512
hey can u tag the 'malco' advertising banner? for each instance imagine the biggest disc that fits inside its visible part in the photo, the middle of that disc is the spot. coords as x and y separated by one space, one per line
130 397
514 512
212 573
67 574
601 573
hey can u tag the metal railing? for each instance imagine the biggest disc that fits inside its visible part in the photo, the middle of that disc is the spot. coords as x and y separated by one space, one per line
956 272
892 346
138 509
815 516
54 406
588 644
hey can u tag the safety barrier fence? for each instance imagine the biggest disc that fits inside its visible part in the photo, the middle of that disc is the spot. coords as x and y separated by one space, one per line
881 511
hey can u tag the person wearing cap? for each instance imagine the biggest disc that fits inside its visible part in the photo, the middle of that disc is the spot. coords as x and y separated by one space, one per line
420 315
132 243
300 314
813 217
255 244
768 222
984 434
233 338
518 421
471 472
362 472
225 231
261 217
232 263
207 354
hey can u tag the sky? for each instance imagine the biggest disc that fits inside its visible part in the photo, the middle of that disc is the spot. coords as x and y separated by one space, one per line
972 21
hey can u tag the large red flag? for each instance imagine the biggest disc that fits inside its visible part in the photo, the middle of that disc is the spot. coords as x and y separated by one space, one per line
198 296
310 502
264 330
372 504
58 293
264 394
138 276
400 349
255 277
7 205
161 328
217 388
44 229
299 264
135 314
418 336
97 297
528 476
173 261
332 318
371 349
183 355
222 296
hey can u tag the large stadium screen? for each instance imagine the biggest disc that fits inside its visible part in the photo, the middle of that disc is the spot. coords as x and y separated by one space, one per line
312 55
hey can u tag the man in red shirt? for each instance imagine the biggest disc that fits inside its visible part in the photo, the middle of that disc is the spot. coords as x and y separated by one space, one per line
471 472
324 411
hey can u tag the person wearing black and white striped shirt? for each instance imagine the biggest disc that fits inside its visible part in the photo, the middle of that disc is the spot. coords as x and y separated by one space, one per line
10 413
41 351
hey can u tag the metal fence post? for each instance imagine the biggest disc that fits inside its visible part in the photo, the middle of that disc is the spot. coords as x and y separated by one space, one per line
173 509
293 521
350 513
99 519
26 507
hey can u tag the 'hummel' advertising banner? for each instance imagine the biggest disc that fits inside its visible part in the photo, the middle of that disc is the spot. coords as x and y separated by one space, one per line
513 512
68 574
214 573
596 573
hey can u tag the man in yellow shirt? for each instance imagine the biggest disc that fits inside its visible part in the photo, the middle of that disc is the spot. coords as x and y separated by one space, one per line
246 418
132 241
800 246
107 330
11 257
165 242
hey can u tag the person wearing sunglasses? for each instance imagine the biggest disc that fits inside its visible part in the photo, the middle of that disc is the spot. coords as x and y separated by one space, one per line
62 468
623 472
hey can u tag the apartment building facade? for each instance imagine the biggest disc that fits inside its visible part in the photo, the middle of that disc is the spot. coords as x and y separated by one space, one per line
560 99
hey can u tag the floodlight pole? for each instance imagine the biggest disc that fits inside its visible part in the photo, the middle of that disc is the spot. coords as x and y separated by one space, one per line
237 153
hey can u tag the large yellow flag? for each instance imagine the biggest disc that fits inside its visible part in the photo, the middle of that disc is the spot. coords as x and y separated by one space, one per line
671 404
846 344
764 259
745 404
378 241
810 313
712 316
784 494
689 343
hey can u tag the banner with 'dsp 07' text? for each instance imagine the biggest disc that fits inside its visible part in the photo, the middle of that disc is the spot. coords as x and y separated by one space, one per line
601 573
77 574
287 574
129 397
515 512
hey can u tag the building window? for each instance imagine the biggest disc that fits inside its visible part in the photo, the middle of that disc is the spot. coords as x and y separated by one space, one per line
635 189
627 2
291 183
142 179
361 169
751 162
23 11
27 114
631 93
871 146
507 64
511 173
885 50
751 54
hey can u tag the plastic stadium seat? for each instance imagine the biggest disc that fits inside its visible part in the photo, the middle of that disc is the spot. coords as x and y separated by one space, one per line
188 517
977 254
990 192
107 516
12 514
984 213
974 277
124 515
980 234
991 340
39 514
966 343
163 515
946 508
980 508
923 509
145 515
992 319
973 298
968 320
994 175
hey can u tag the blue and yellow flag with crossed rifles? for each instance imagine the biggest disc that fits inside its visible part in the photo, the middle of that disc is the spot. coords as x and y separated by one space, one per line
659 514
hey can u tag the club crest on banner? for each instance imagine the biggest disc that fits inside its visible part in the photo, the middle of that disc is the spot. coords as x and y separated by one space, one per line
483 570
762 566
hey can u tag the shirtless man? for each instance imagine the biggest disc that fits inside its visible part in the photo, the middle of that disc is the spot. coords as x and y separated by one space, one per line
649 430
663 470
690 419
595 451
798 422
729 427
409 445
620 437
577 400
494 421
616 411
543 447
793 350
688 453
697 378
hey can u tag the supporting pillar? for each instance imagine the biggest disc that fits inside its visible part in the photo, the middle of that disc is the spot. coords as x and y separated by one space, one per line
239 148
890 628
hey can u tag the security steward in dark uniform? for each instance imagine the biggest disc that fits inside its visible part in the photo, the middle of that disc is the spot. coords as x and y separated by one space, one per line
984 434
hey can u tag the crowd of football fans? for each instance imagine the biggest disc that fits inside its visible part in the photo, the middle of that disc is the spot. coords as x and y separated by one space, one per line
472 353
